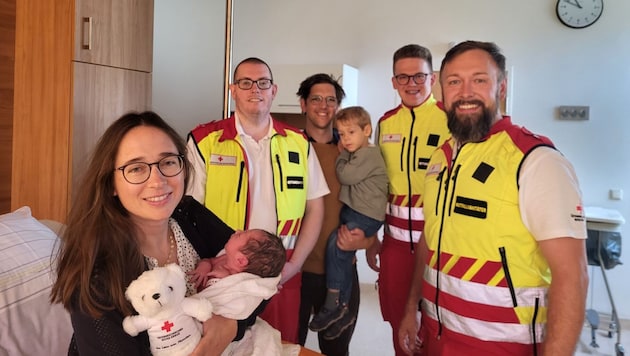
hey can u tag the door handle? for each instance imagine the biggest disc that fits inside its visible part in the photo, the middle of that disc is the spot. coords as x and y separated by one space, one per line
86 38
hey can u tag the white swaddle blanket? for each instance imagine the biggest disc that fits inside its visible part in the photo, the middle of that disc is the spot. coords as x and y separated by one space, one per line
237 296
261 340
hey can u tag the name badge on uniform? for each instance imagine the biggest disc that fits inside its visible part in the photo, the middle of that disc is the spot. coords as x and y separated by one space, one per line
391 138
222 160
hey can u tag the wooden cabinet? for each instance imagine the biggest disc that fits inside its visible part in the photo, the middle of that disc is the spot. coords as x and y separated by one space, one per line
101 95
62 102
116 33
113 58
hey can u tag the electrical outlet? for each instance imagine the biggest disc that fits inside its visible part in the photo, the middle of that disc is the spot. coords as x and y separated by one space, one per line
573 112
616 194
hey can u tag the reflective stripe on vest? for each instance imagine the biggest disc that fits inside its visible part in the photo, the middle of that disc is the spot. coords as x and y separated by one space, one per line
487 330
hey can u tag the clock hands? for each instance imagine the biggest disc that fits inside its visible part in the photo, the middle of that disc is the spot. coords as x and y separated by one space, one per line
574 3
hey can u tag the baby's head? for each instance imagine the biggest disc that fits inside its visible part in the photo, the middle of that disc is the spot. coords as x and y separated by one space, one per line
354 126
263 252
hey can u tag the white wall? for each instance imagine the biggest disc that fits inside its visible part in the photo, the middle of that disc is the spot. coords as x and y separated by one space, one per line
188 57
552 65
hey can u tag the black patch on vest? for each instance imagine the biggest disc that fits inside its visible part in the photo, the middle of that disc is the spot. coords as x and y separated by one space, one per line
295 182
294 157
433 140
423 163
471 207
483 172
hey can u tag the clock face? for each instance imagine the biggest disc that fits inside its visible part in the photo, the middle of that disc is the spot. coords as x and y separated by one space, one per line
579 13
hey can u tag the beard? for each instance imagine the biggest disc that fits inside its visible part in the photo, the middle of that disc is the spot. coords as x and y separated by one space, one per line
470 127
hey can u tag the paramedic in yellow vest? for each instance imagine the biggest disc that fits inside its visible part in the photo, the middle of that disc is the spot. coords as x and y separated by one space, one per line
407 136
502 265
255 172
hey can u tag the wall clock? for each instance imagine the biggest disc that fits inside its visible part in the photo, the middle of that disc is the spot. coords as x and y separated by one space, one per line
579 13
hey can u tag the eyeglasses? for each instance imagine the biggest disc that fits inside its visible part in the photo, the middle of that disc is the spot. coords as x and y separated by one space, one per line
419 78
139 172
330 101
262 84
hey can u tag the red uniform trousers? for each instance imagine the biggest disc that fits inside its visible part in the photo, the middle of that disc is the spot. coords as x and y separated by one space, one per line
283 310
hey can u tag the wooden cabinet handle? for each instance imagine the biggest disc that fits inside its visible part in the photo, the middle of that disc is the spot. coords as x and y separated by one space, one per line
86 36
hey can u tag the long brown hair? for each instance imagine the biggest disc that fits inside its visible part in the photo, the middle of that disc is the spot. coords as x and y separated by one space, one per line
99 254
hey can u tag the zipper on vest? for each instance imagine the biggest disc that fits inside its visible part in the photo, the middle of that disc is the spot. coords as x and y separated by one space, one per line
415 152
280 171
440 178
413 121
240 182
402 155
409 207
535 341
452 195
446 181
508 278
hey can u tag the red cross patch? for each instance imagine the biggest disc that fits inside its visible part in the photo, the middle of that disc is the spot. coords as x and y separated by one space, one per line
167 326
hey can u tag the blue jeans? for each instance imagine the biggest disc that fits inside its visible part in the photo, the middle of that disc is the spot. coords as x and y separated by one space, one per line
339 262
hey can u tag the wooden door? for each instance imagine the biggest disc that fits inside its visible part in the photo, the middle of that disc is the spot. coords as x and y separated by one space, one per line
117 33
41 107
7 60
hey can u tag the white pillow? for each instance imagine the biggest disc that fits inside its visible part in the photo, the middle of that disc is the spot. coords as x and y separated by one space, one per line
29 325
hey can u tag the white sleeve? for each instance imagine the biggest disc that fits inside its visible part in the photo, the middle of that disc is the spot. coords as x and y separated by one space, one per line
197 183
550 200
317 186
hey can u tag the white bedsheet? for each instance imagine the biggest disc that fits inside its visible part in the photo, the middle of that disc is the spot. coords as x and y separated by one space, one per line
29 324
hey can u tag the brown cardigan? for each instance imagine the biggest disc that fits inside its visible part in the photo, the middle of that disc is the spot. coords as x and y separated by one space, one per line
327 155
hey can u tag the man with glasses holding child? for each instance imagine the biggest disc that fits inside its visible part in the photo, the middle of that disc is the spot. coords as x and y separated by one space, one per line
255 172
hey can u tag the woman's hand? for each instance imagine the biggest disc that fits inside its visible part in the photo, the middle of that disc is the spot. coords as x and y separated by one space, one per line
218 332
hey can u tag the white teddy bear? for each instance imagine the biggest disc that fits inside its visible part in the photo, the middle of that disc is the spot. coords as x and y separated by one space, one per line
159 296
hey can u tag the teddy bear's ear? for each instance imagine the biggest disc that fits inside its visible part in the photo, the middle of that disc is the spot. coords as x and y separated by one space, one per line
175 268
131 290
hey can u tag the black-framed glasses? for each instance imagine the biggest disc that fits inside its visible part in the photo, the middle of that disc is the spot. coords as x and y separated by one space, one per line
330 101
139 172
419 78
247 84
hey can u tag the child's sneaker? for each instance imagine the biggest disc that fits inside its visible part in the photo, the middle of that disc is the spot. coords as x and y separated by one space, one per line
327 317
